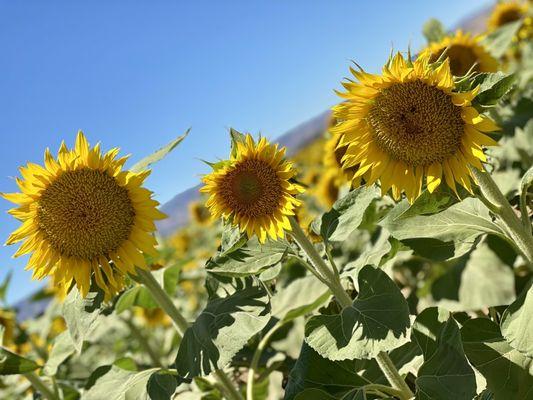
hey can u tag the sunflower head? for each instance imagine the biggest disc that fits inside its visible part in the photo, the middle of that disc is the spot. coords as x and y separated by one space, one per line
199 213
180 241
408 125
152 318
465 53
327 190
505 12
253 189
84 218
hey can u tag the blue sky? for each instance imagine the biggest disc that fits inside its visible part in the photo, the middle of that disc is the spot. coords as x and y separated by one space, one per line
136 74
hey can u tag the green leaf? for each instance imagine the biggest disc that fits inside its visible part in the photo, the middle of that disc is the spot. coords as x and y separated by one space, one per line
300 297
377 320
447 234
12 364
476 281
311 371
222 329
525 184
427 328
119 384
498 42
517 324
82 315
493 86
433 30
159 154
509 373
346 215
236 137
161 386
250 259
61 350
446 374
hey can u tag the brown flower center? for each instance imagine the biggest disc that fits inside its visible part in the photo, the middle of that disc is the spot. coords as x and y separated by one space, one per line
251 189
85 214
416 123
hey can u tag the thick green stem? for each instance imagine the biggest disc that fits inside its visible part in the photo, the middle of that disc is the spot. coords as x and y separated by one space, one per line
320 265
393 376
40 386
180 323
143 342
231 391
494 199
255 360
385 363
161 298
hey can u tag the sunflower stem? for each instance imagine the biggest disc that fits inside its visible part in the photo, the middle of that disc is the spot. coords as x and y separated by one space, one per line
40 386
494 199
320 265
231 391
393 376
180 323
334 284
164 301
255 360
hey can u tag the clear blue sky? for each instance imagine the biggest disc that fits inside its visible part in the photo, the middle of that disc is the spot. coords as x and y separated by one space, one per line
136 74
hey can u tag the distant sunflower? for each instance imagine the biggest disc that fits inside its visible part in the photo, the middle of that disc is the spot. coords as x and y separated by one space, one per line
84 217
505 12
407 124
463 51
199 213
327 189
181 242
253 189
334 151
152 318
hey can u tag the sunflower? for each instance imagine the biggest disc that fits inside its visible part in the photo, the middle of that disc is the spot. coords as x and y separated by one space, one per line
199 213
181 242
407 124
327 190
464 51
333 154
253 189
152 317
506 12
84 218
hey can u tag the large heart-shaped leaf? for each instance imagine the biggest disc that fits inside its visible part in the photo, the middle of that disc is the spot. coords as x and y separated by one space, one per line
299 298
445 373
222 329
517 324
377 320
509 373
449 233
313 371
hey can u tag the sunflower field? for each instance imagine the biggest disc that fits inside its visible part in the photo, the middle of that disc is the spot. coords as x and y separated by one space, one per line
391 258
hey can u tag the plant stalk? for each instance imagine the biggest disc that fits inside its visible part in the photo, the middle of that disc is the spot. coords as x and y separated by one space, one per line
383 360
255 360
180 323
393 376
494 199
161 298
39 385
320 265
